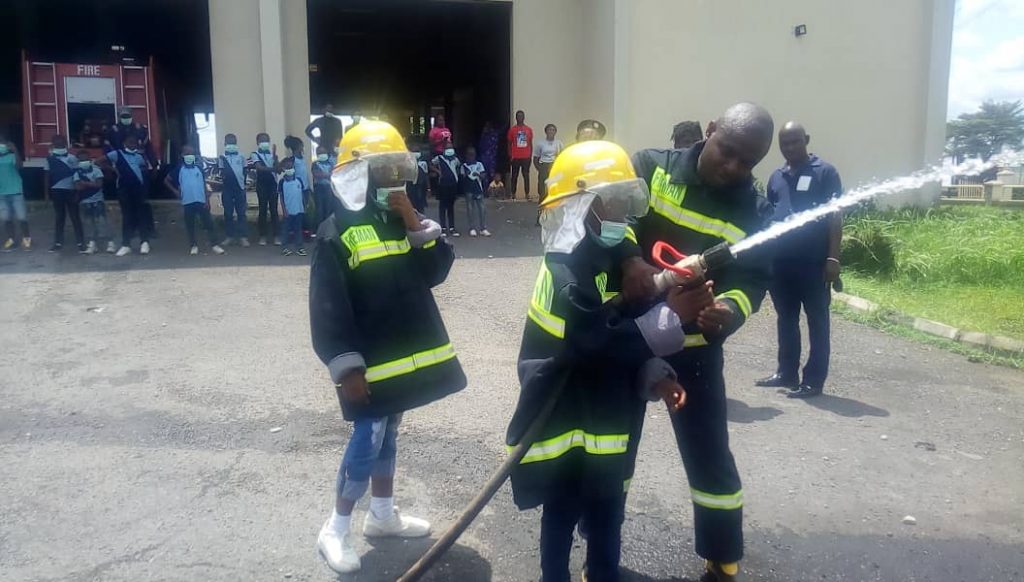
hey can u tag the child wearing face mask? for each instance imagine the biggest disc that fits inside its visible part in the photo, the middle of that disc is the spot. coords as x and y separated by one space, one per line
232 166
60 168
88 182
264 159
188 183
294 210
473 178
12 196
132 171
446 169
322 196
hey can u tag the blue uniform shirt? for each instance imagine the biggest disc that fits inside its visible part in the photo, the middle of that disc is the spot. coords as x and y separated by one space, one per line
301 171
66 174
134 160
235 166
93 174
449 169
291 195
192 184
10 177
326 167
794 190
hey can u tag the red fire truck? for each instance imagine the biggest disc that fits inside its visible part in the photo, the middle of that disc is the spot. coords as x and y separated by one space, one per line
82 101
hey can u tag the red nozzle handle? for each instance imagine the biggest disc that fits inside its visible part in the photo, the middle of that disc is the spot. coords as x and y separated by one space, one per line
658 252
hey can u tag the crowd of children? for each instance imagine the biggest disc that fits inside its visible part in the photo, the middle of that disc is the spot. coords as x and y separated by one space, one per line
75 185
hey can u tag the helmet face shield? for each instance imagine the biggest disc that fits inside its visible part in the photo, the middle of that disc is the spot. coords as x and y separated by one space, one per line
391 169
620 201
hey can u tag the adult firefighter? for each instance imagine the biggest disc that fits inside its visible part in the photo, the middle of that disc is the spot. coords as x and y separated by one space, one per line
376 326
597 362
700 197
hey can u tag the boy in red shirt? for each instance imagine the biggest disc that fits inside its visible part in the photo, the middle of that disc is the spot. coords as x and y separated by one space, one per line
520 149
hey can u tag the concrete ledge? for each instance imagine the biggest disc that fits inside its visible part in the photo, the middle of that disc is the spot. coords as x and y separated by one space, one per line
974 339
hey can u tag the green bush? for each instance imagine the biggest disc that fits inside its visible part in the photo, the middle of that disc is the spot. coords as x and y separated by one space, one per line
869 247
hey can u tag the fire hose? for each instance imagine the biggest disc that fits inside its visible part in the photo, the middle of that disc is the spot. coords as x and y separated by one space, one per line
684 270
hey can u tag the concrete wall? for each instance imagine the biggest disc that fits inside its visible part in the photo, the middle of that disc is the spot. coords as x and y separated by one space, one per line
254 41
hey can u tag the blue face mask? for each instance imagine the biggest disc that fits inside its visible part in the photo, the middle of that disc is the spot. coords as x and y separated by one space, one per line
231 148
384 193
612 233
321 157
264 146
60 151
127 120
449 153
85 165
189 159
4 150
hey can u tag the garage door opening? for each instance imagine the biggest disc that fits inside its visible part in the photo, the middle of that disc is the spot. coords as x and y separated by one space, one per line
407 60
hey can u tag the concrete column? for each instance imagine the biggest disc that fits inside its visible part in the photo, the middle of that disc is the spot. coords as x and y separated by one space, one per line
272 57
937 92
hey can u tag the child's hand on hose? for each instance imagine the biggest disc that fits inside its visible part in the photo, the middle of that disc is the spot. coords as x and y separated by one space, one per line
353 388
672 393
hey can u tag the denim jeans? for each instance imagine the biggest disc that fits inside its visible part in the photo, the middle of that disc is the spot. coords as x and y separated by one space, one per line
234 213
370 452
293 229
95 214
476 209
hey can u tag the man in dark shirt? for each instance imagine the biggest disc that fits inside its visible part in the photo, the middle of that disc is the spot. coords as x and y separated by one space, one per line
330 129
806 262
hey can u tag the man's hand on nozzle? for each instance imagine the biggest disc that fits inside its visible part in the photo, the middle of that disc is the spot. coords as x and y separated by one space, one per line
688 303
672 393
638 281
716 318
354 389
400 204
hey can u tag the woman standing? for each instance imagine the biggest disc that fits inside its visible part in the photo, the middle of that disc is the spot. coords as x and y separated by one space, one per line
488 148
544 153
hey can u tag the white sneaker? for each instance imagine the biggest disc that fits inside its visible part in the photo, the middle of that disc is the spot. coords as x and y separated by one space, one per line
90 249
124 251
227 242
472 232
194 250
263 241
111 247
245 242
277 241
144 248
486 232
398 526
217 250
337 550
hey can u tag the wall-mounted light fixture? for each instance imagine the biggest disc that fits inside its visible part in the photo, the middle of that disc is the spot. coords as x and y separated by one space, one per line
800 30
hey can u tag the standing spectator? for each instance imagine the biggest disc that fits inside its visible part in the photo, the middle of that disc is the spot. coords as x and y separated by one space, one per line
520 149
806 263
232 165
489 148
322 195
439 135
132 172
264 159
328 129
685 134
299 163
294 210
12 196
89 186
590 130
60 167
417 191
446 172
473 177
544 154
188 183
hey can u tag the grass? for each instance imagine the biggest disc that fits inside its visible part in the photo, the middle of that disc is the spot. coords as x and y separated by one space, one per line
963 266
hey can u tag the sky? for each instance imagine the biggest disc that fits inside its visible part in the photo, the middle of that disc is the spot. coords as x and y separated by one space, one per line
988 54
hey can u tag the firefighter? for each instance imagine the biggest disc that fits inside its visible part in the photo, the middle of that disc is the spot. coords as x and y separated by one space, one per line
702 196
376 327
597 362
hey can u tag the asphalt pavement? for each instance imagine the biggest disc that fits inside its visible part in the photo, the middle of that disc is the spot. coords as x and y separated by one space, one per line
164 418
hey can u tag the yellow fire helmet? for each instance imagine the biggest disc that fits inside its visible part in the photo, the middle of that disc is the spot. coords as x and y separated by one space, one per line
585 174
372 149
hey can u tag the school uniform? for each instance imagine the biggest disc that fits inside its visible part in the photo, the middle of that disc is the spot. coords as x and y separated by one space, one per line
93 208
60 172
266 191
192 183
473 176
291 199
232 196
417 191
323 196
132 186
448 189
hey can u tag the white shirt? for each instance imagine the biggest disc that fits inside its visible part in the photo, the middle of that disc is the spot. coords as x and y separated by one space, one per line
547 150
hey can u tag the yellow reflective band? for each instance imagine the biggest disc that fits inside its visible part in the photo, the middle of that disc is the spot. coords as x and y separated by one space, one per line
661 186
711 501
697 221
695 340
364 245
410 364
601 280
593 444
631 234
540 304
741 299
430 244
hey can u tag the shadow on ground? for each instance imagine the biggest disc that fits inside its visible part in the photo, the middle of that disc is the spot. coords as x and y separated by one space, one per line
741 412
847 407
459 563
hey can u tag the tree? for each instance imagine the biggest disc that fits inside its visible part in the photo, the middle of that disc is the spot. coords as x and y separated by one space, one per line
987 131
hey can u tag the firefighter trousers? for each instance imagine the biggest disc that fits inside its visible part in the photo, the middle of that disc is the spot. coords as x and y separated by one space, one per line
703 440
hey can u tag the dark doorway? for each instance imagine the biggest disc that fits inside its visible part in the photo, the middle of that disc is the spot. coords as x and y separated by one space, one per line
409 59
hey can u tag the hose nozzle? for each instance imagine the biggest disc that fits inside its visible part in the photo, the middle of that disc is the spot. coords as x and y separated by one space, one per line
687 269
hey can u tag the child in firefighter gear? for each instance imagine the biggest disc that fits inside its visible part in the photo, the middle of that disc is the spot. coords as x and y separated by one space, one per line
598 363
376 326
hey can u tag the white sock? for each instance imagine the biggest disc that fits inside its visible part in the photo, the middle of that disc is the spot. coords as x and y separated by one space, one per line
382 507
340 523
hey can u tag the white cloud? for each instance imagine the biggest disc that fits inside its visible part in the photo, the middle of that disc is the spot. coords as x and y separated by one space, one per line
988 54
